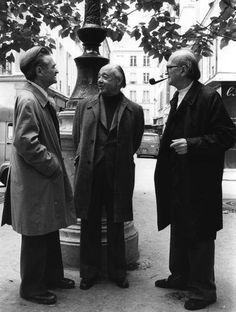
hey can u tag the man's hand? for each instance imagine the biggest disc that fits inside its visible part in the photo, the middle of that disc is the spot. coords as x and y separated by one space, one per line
180 146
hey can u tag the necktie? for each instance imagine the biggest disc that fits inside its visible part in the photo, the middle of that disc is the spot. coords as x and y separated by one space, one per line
174 101
173 106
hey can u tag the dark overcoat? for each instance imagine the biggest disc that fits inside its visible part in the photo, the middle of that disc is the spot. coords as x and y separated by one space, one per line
39 193
190 192
129 134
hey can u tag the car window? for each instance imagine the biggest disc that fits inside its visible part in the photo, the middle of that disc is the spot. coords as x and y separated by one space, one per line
150 138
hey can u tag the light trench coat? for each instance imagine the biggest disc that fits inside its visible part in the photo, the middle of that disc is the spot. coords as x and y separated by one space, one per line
41 196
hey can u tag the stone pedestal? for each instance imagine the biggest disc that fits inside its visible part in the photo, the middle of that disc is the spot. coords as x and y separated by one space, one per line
70 242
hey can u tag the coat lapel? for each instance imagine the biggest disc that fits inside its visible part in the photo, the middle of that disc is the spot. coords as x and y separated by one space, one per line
115 119
118 113
124 105
190 97
103 117
94 107
186 108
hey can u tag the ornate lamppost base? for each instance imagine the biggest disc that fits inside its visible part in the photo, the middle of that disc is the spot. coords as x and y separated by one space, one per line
70 245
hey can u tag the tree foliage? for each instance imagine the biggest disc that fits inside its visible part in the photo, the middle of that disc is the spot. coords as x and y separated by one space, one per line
21 22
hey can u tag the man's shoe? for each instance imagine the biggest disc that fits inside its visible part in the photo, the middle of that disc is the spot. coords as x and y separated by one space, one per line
65 283
46 298
197 304
165 283
86 283
122 283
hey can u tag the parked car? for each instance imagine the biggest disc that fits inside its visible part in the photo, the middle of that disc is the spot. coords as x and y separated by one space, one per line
6 132
149 145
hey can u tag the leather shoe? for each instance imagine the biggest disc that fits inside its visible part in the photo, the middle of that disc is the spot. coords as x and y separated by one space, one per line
86 283
197 304
165 283
122 283
45 298
64 283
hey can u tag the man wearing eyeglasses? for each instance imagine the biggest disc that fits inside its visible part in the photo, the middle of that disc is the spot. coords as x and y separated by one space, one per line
188 179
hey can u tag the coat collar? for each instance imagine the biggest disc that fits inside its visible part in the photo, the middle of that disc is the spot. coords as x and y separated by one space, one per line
94 105
42 99
189 99
192 93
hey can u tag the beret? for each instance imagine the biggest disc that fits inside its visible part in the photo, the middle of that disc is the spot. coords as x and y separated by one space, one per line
29 56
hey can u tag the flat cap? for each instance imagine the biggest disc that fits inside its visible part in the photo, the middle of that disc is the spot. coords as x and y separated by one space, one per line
29 56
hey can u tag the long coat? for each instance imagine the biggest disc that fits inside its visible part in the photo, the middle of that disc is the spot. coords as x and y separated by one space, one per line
190 192
129 135
41 198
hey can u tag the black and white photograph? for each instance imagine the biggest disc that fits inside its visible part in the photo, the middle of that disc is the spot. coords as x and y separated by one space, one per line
117 155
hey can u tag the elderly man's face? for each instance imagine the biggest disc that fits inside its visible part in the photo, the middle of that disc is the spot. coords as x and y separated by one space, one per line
48 72
108 83
174 71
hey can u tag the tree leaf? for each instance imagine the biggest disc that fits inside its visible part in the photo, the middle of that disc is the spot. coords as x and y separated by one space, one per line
153 24
224 42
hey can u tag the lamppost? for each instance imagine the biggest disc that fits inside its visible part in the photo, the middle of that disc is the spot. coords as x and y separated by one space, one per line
88 65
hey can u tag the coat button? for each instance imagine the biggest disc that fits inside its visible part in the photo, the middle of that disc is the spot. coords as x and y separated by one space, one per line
92 141
89 162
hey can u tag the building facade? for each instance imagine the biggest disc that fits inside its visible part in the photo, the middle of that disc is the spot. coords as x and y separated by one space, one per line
138 68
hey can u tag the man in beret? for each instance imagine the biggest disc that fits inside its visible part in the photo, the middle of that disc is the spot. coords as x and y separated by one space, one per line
38 194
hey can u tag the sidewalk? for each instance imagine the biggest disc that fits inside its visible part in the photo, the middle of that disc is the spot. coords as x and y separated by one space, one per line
142 296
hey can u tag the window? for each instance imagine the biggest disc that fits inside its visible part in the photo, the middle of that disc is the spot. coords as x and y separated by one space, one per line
133 78
146 60
6 69
133 60
145 77
132 96
146 97
10 131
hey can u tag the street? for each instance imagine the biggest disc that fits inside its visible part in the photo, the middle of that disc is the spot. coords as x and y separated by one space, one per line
142 296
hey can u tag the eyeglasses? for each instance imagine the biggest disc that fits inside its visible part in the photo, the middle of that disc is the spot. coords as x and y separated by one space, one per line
173 66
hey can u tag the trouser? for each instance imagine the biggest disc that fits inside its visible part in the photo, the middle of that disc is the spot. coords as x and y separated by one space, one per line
192 264
40 263
90 241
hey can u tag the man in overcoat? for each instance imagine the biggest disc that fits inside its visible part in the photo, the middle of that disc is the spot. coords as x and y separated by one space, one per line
107 131
188 179
39 197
